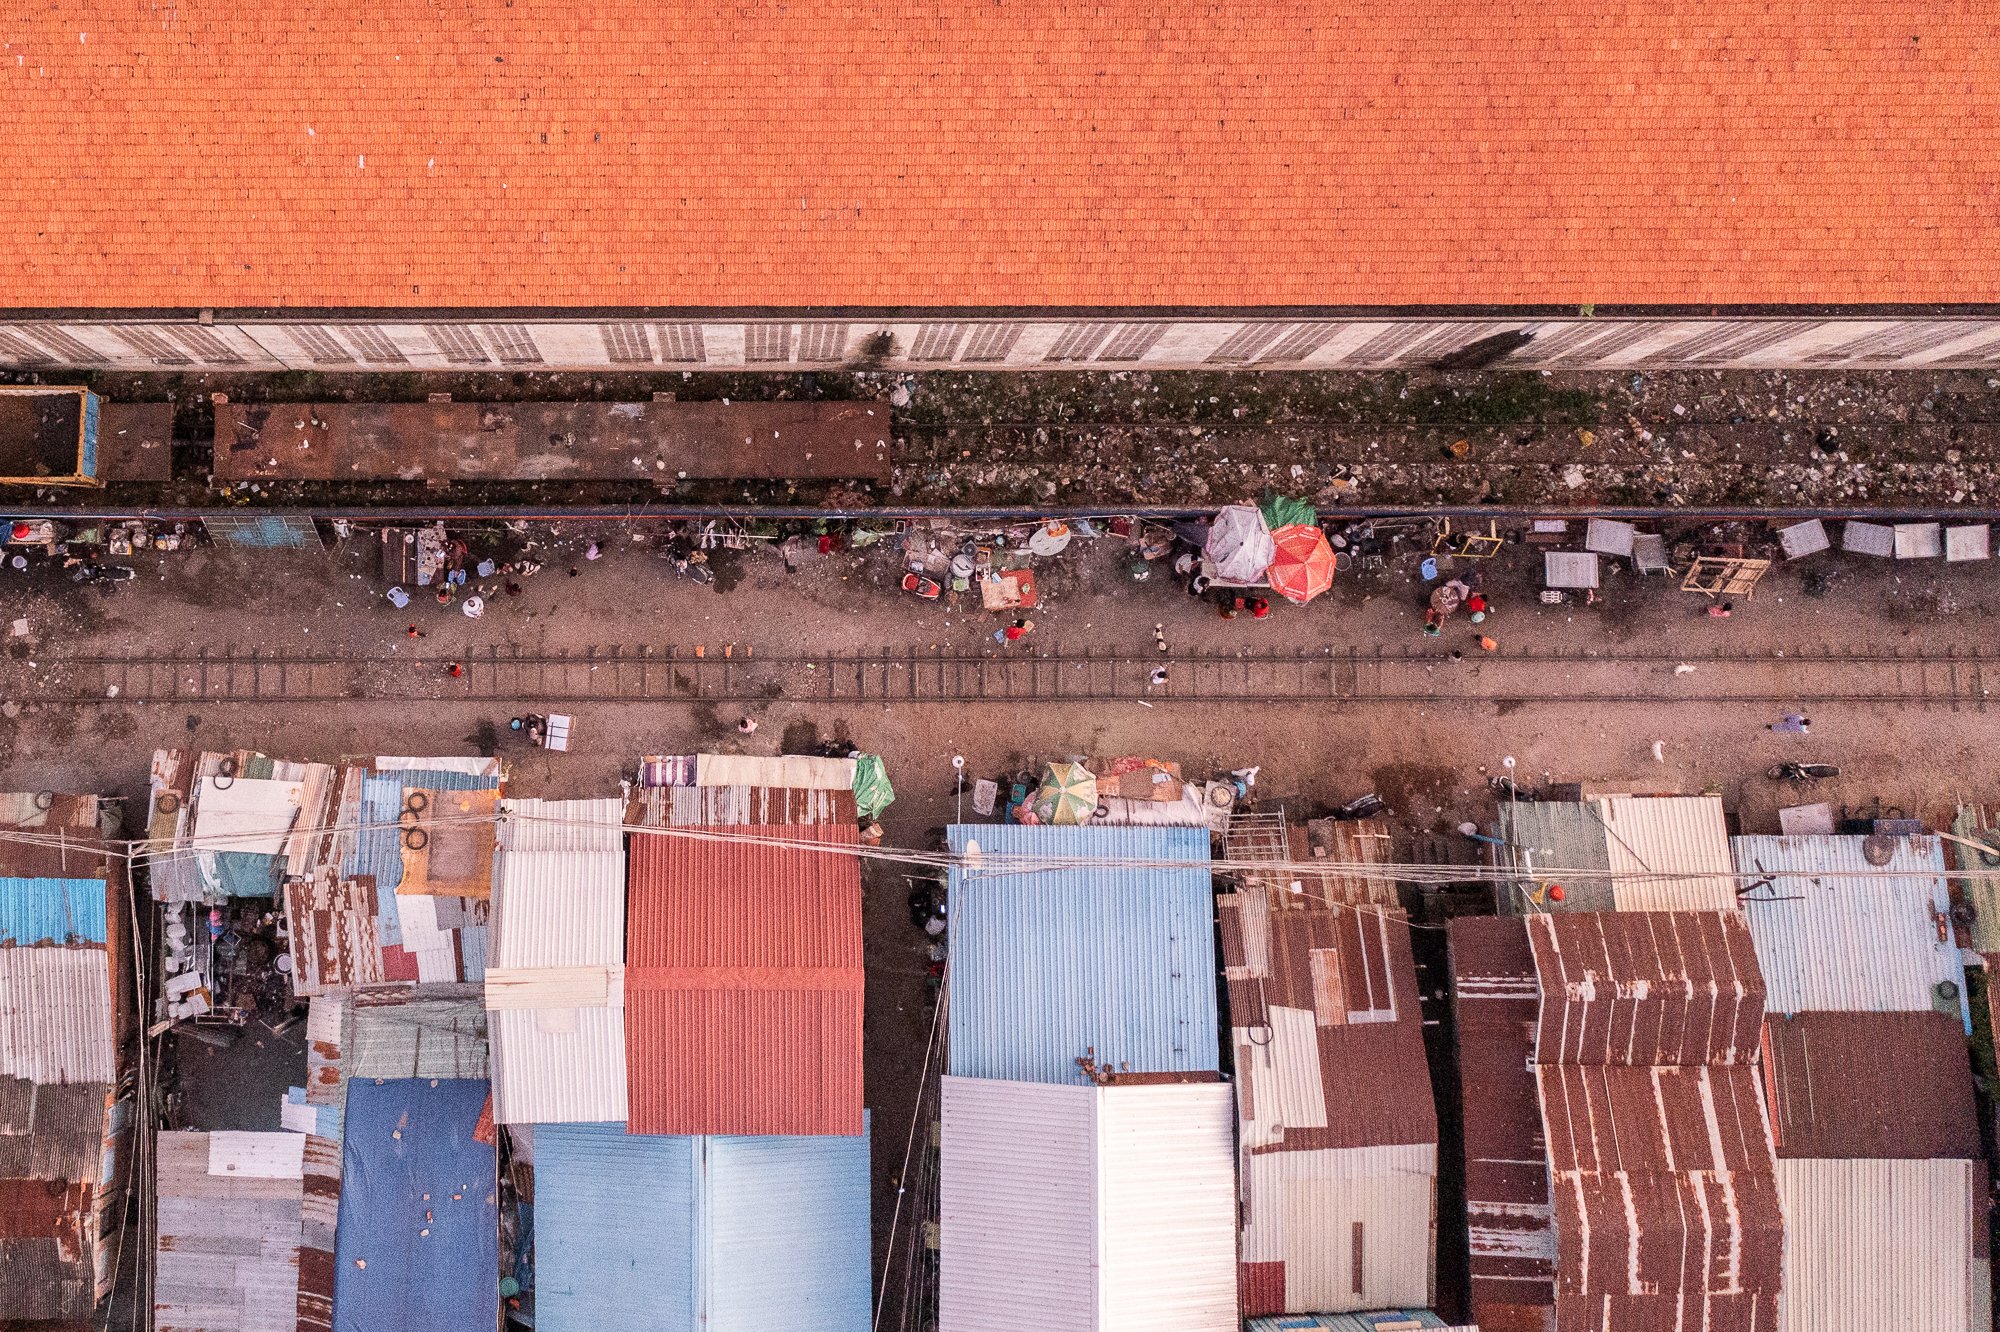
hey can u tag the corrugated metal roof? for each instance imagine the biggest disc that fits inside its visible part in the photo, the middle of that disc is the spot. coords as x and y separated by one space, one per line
761 806
744 983
55 1015
803 772
1663 853
418 1246
228 1247
436 1033
1666 1212
63 911
1876 1085
53 1131
1494 1005
1330 1073
1836 933
1056 948
680 1234
1651 987
1871 1245
1087 1207
1338 1230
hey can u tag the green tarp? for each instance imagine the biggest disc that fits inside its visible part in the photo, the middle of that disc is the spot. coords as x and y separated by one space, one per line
872 792
1282 510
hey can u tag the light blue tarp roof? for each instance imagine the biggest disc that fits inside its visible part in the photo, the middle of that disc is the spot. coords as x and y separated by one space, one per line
714 1234
1065 940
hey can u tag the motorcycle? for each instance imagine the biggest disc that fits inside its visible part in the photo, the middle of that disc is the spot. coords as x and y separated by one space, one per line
1801 772
688 562
927 588
103 573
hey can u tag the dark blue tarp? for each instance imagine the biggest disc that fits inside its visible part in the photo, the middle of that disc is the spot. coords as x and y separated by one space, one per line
418 1249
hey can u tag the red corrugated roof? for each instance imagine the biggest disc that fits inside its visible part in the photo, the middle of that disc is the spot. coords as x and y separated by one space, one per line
820 153
743 984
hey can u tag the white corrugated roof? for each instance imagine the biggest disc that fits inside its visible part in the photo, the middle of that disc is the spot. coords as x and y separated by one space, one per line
1388 1193
802 771
55 1015
1683 837
1830 940
558 915
1871 1245
1087 1207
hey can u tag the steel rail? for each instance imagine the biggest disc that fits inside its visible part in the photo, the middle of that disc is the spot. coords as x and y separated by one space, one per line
1336 676
669 511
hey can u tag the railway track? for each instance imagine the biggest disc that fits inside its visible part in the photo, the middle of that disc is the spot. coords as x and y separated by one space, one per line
1955 680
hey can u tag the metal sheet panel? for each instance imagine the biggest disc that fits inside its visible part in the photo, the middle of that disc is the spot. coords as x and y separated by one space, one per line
680 1234
1650 987
559 902
1666 1212
1073 939
56 1015
228 1248
803 771
1087 1207
1329 1057
785 1232
1836 933
1873 1085
1668 853
614 1230
744 982
61 911
1545 841
1494 1007
1350 1229
401 1034
1871 1245
418 1246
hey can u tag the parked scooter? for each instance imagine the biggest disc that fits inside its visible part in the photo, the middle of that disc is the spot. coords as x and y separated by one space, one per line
1801 772
103 573
927 588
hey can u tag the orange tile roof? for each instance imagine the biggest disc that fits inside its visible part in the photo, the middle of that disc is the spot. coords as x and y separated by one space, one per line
992 152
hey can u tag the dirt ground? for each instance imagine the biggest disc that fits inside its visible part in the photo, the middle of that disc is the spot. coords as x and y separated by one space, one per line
1428 762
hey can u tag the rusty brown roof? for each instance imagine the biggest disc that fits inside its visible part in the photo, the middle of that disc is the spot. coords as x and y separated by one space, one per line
1873 1086
1666 1204
1646 987
1350 974
1494 1003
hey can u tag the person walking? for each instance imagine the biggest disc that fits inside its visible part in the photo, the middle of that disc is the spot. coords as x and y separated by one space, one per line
1793 723
748 725
1014 632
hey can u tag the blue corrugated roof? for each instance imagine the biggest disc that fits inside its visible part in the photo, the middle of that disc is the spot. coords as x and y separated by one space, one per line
1082 952
678 1234
418 1243
58 911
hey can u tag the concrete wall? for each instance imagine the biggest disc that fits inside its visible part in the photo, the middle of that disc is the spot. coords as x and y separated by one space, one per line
1035 342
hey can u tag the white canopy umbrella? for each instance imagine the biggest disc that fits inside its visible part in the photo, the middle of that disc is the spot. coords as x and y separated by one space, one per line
1239 544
